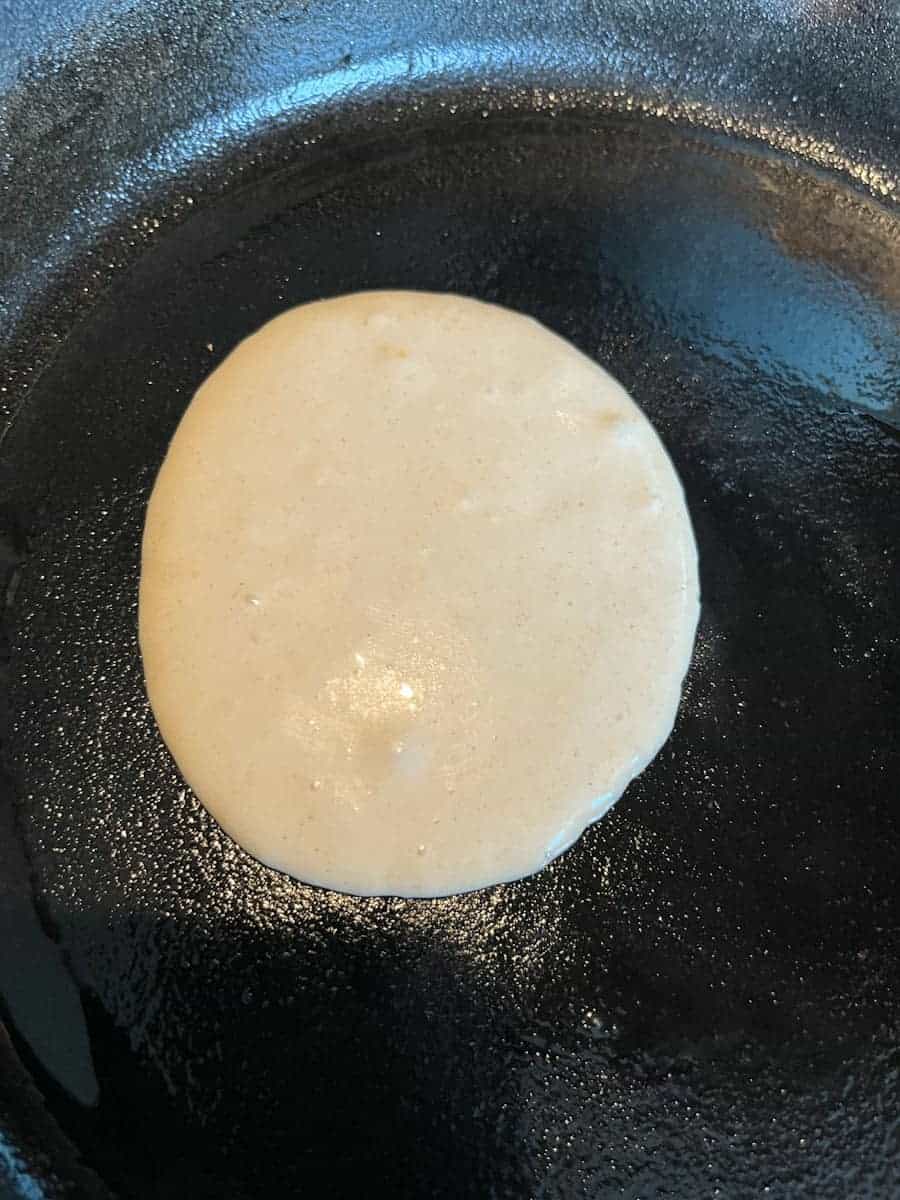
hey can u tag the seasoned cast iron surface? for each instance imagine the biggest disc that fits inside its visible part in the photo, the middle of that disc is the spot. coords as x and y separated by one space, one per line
703 992
703 996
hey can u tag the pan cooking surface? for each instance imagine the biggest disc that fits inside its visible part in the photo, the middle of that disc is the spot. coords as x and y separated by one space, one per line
701 997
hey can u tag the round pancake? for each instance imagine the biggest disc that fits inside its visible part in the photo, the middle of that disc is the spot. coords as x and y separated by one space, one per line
418 593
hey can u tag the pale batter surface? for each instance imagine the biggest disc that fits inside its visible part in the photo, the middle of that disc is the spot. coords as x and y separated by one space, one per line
418 593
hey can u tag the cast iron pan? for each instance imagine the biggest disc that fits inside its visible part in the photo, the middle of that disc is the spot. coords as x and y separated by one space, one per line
702 997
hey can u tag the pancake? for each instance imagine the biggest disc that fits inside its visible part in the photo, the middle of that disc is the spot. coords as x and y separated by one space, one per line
418 593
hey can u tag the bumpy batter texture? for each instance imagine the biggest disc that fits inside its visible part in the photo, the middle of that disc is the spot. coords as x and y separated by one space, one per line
418 593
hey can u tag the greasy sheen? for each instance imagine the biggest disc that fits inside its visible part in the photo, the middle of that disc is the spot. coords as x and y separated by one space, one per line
418 593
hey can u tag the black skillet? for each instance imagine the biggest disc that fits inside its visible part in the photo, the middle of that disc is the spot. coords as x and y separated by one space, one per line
702 997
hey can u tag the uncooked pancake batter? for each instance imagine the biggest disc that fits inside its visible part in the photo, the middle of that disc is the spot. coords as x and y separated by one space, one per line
418 593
